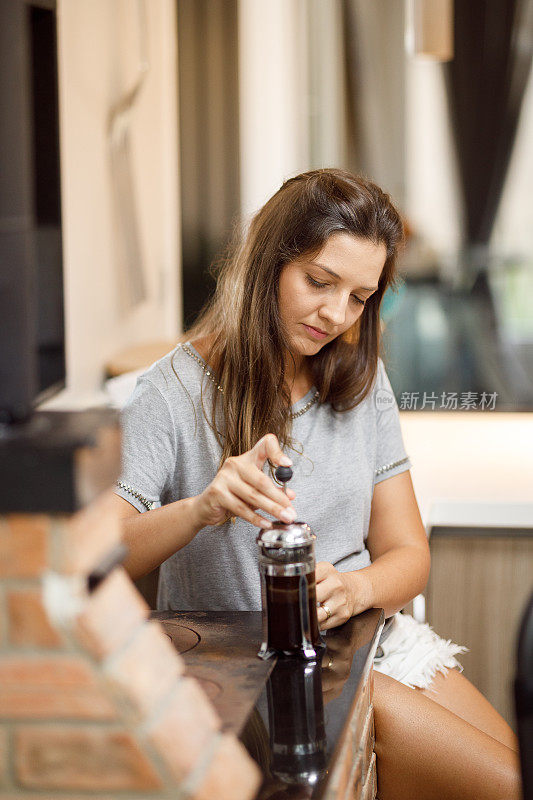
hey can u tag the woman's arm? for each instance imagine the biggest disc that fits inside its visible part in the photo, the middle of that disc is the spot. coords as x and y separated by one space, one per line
154 536
238 488
399 550
398 546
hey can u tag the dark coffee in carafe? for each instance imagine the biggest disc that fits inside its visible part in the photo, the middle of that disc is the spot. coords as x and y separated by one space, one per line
287 569
283 596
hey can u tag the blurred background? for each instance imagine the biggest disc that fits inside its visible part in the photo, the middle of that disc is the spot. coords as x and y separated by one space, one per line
179 118
138 133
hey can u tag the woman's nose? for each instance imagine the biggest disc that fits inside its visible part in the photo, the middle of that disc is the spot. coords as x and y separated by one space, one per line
335 312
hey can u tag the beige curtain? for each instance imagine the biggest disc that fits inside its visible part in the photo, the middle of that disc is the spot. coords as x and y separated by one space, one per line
375 78
209 138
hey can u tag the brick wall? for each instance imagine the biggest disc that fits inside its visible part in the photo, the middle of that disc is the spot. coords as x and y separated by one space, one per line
94 700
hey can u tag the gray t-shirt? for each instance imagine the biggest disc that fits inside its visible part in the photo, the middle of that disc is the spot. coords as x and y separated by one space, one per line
170 452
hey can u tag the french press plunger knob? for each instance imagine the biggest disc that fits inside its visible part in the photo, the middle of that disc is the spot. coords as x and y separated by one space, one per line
283 474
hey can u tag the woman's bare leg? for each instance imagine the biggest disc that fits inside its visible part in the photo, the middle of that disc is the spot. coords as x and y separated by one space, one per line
457 694
426 752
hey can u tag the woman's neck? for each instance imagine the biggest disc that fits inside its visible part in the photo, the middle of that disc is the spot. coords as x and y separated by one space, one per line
298 378
298 375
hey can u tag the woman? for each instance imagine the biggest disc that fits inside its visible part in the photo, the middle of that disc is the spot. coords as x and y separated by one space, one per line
282 367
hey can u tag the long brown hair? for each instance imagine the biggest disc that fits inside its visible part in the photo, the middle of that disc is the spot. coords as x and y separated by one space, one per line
242 321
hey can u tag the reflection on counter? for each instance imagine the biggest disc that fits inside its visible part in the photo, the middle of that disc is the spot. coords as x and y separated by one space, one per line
296 731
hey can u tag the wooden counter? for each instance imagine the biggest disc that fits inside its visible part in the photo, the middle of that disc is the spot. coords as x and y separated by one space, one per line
308 724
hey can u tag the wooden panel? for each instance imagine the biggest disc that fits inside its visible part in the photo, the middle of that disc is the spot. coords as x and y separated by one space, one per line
367 742
477 592
360 714
339 786
370 786
355 782
349 779
352 769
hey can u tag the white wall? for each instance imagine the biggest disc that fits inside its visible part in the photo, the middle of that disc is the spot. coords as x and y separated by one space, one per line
273 96
327 84
433 202
98 57
513 229
471 468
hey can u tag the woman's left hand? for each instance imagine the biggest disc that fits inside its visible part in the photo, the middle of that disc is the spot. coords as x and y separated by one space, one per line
343 594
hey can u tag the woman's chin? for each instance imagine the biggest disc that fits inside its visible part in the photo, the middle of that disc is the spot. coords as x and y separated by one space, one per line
306 347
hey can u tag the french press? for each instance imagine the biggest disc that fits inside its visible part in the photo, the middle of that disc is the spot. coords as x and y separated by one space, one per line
288 587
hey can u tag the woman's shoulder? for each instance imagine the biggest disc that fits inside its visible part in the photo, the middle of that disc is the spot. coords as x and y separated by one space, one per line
381 380
174 373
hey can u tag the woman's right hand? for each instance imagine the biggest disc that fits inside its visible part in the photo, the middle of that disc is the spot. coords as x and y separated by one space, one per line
240 486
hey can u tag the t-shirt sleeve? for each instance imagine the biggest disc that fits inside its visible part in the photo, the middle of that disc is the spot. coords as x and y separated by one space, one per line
148 447
391 458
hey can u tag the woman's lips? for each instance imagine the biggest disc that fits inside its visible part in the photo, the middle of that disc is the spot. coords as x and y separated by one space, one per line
314 332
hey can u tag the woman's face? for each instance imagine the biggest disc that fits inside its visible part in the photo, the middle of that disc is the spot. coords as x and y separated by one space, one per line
321 297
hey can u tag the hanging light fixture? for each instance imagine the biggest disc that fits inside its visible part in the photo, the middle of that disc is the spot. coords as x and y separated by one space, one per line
429 29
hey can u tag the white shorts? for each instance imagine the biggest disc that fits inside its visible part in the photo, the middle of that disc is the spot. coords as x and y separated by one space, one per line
413 653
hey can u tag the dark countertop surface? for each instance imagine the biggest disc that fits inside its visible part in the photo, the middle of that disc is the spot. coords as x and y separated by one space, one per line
289 713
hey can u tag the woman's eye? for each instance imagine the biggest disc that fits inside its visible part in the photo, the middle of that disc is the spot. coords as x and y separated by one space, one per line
317 285
314 283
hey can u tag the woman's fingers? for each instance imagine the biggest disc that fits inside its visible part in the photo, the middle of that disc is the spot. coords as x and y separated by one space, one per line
323 569
240 487
259 488
268 448
333 608
261 494
239 508
326 590
245 512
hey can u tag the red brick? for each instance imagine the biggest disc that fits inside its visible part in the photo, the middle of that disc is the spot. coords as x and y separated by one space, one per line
81 758
3 757
231 775
23 545
52 671
3 622
184 730
33 796
110 616
85 538
61 687
147 668
28 620
40 703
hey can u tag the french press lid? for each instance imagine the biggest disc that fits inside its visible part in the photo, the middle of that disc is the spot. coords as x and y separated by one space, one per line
286 543
282 534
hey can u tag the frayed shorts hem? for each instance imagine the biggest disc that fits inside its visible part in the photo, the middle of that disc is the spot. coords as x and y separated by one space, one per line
413 653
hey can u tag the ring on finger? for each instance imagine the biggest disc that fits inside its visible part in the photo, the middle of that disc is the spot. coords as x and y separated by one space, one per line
328 610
